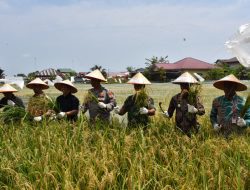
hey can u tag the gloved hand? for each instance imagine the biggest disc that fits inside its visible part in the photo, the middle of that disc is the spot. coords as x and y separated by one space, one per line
117 110
217 127
61 115
165 114
102 105
11 103
38 118
192 109
143 110
241 122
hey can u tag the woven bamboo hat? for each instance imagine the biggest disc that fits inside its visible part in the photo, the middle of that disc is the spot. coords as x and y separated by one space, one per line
68 84
232 79
37 82
7 88
96 74
185 78
139 79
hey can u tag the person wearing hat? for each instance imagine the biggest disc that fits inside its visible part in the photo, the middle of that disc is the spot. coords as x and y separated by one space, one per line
225 114
9 98
67 103
38 105
139 106
100 101
186 112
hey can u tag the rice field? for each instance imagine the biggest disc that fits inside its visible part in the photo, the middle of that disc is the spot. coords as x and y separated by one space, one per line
60 155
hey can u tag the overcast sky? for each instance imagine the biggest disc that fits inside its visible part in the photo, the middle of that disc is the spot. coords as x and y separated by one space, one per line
77 34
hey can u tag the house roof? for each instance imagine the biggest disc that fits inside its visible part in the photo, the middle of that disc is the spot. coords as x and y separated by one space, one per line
118 74
66 70
186 64
232 60
47 72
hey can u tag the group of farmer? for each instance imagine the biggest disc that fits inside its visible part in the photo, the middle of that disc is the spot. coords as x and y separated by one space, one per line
226 113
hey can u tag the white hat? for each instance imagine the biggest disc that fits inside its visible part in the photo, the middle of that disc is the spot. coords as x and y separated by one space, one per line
67 83
7 88
96 74
37 82
138 79
232 79
185 78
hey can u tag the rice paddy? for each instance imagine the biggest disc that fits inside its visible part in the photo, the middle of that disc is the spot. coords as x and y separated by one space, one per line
60 155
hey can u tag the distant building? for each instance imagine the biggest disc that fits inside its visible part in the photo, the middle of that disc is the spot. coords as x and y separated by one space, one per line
47 73
231 63
173 70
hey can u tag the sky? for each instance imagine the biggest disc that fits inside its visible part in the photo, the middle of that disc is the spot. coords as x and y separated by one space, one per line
116 34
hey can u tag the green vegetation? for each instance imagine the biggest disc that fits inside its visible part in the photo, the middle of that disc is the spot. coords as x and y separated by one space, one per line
60 155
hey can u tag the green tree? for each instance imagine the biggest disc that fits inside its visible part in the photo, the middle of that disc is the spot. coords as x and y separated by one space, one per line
2 75
150 69
130 69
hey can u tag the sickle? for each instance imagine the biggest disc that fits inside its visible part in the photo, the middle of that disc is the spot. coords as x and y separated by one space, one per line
161 107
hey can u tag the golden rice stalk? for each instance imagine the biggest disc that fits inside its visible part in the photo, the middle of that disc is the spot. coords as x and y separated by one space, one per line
141 97
38 105
193 93
245 107
13 114
89 97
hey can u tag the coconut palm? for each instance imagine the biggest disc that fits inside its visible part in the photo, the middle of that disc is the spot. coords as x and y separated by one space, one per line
103 71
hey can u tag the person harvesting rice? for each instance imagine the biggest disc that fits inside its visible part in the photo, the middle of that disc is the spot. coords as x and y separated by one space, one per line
9 98
99 101
38 105
226 116
67 103
187 104
139 106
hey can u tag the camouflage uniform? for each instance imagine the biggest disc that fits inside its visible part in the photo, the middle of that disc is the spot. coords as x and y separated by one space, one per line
225 112
102 95
184 120
38 105
134 117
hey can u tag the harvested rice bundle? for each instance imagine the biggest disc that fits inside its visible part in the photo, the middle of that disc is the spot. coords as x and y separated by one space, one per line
141 98
89 97
193 93
38 106
245 107
14 114
53 105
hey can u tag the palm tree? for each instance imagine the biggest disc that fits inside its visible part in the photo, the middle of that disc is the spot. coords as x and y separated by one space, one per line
103 71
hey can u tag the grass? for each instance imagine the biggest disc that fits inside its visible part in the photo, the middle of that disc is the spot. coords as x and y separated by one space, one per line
60 155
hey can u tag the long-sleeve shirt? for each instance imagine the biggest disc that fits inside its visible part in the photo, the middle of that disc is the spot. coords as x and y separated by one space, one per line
102 95
68 103
16 100
225 112
183 119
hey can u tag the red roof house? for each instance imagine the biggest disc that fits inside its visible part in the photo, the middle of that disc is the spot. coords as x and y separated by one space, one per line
173 70
186 64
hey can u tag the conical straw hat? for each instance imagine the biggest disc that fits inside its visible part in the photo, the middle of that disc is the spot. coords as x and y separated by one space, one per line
67 83
185 78
230 78
37 82
7 88
138 79
96 74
